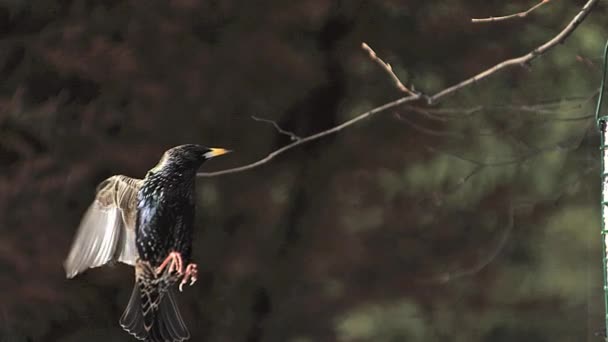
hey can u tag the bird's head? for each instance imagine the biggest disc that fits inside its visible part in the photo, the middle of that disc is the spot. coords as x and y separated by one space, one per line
190 156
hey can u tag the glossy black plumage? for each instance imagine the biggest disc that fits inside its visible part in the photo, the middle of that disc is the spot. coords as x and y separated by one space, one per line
147 224
165 206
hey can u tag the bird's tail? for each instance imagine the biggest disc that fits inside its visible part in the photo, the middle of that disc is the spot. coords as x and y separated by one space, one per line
152 314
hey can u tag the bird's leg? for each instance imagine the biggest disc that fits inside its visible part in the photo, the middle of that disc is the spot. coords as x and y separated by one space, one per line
174 260
190 274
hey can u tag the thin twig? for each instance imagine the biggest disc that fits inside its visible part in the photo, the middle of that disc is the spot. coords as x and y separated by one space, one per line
560 37
523 60
544 106
316 136
387 67
550 107
490 133
511 16
291 135
444 277
426 113
428 131
463 180
483 164
566 144
479 265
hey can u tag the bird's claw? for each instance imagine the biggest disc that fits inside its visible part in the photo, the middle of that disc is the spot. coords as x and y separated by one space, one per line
174 260
190 274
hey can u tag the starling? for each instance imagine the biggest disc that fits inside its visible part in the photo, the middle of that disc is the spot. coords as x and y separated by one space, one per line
146 223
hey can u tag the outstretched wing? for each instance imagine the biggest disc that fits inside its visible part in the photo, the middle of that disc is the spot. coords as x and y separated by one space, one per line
107 230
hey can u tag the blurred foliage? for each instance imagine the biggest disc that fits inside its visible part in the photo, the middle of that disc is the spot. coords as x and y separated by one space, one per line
475 220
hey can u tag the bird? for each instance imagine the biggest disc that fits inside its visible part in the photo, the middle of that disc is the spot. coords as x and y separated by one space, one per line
148 224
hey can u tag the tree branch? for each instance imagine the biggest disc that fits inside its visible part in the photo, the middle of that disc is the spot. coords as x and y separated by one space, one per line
479 265
511 16
291 135
387 67
316 136
525 59
551 107
519 61
444 277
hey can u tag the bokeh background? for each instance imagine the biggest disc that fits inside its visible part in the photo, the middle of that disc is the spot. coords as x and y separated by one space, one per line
473 220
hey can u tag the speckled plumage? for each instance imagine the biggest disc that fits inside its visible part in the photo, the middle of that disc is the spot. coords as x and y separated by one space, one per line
147 224
165 212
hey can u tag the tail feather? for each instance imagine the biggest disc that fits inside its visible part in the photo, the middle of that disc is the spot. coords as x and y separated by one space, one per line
154 320
169 325
132 320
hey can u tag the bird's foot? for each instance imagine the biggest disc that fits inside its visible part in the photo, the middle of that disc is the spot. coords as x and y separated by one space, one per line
175 263
190 274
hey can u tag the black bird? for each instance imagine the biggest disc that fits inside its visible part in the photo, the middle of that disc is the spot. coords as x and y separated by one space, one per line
146 224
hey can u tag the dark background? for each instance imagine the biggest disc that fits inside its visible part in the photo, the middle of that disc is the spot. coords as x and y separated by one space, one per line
374 234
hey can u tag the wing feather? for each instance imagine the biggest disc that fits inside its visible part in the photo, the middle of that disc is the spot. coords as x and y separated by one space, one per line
107 229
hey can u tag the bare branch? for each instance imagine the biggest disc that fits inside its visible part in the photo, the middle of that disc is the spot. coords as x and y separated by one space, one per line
387 67
291 135
483 262
511 16
428 131
520 61
463 180
552 106
566 144
548 111
525 59
316 136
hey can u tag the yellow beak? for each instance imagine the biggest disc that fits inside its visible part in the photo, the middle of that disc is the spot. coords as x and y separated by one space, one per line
216 152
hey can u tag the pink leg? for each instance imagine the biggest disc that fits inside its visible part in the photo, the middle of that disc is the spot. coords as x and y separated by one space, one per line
174 260
190 274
